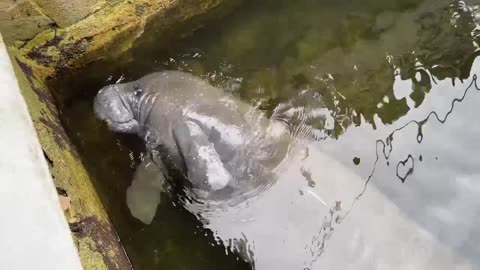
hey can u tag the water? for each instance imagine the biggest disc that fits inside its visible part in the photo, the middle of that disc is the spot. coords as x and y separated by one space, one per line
391 181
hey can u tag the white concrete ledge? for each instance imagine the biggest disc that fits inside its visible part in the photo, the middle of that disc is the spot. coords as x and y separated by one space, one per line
34 233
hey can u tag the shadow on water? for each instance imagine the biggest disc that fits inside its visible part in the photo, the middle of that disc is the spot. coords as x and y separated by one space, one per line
382 70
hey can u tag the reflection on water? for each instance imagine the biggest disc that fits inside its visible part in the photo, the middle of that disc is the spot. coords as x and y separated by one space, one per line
406 167
438 193
389 83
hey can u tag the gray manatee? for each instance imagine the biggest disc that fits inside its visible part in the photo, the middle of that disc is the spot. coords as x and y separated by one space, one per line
221 144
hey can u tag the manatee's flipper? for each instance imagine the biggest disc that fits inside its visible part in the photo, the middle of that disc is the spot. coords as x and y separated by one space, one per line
205 168
225 136
143 195
165 151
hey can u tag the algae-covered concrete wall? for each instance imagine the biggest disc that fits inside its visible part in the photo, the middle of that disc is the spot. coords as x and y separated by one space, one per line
47 37
94 235
110 29
23 19
34 232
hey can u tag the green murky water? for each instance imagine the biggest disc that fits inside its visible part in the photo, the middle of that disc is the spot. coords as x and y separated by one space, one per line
386 70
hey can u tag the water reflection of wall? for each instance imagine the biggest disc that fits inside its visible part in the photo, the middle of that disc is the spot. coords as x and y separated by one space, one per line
349 54
439 194
423 46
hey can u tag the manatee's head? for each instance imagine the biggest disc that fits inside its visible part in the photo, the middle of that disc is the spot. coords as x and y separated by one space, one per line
115 104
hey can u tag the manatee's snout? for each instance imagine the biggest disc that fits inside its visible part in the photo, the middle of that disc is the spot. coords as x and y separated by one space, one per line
112 106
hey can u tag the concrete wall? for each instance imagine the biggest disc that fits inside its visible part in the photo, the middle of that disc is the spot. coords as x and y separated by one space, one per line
23 19
33 231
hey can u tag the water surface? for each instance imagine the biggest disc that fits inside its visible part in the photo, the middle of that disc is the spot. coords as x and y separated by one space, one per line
392 179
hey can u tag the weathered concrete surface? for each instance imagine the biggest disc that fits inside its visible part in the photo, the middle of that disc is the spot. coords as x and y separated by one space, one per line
67 12
34 232
94 235
21 20
107 32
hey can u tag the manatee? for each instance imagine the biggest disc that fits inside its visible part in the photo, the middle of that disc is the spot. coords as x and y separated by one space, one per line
218 142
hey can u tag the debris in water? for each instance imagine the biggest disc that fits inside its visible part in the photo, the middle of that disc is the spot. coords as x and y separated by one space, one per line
356 160
338 205
121 79
64 202
308 176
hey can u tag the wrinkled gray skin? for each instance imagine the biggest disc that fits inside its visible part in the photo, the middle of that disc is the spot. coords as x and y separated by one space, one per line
206 133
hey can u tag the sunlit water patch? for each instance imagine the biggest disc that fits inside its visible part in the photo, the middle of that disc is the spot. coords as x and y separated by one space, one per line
381 98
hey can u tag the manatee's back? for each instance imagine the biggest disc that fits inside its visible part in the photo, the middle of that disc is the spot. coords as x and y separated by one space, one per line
239 141
180 88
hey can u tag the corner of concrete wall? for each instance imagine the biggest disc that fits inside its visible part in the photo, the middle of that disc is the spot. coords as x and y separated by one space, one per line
34 232
93 233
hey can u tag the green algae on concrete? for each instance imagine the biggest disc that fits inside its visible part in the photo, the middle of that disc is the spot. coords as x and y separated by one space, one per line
94 235
21 20
107 32
67 12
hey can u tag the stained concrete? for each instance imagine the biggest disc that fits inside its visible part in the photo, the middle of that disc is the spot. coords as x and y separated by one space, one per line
21 20
34 231
67 12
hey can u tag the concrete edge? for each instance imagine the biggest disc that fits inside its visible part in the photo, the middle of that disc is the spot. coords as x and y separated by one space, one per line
34 231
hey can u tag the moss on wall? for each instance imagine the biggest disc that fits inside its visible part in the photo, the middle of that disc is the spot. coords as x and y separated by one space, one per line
94 235
107 32
21 20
